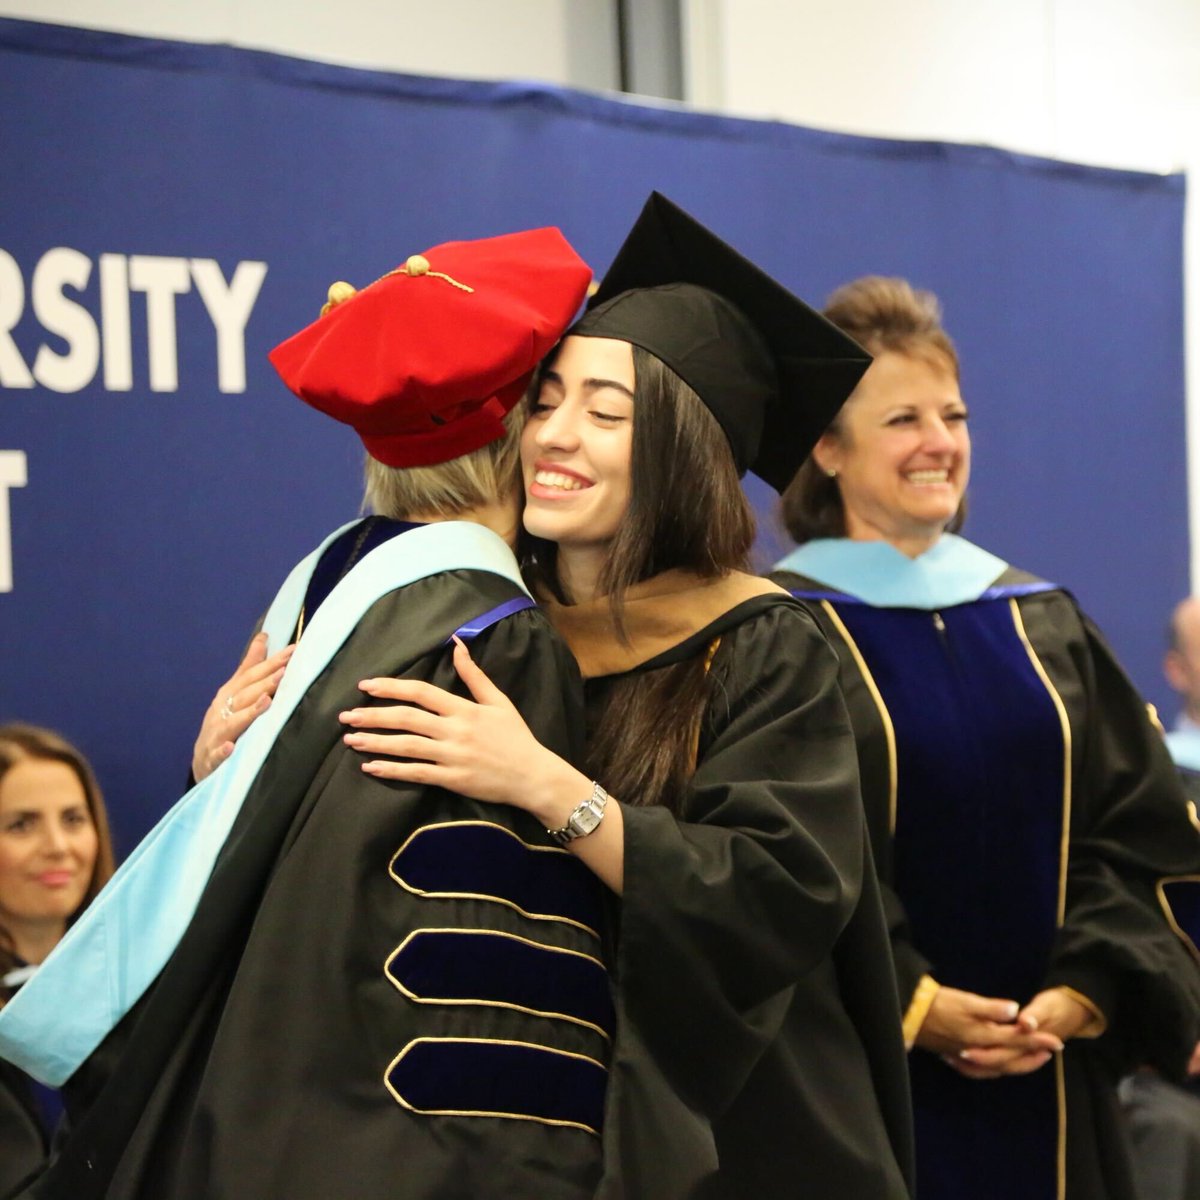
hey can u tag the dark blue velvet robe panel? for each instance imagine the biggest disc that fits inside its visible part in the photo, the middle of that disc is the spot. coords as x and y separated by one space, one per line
980 785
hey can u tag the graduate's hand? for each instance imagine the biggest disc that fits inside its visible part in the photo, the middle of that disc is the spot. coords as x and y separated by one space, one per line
480 748
982 1037
239 701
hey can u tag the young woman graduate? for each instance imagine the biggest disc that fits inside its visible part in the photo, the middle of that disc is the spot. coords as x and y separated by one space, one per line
1022 804
360 955
758 1049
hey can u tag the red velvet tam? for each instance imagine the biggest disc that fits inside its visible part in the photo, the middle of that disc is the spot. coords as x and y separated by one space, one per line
425 363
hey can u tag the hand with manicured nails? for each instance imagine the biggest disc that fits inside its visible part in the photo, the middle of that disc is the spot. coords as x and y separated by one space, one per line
247 692
983 1037
480 748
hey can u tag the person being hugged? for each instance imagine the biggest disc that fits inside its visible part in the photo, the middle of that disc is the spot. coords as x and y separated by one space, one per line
328 984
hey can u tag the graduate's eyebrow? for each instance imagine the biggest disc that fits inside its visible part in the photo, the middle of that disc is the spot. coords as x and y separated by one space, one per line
589 385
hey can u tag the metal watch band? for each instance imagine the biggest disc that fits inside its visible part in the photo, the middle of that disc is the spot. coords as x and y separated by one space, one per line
584 819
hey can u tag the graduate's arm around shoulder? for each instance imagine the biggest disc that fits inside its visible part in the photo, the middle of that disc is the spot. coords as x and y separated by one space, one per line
772 813
531 666
732 898
517 750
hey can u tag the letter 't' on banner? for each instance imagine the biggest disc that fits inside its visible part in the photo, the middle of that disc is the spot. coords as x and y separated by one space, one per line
13 474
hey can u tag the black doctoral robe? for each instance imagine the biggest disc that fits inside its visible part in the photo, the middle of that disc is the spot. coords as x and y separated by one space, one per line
23 1140
758 1051
386 990
1023 811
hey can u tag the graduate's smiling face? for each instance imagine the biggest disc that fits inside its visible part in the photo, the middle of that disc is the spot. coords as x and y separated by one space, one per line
48 844
577 448
901 451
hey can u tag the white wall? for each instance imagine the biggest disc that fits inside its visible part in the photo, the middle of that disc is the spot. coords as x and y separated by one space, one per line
556 41
1111 82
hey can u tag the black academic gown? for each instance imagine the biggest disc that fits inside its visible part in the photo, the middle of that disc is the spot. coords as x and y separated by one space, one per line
1164 1117
758 1052
1023 811
386 990
23 1140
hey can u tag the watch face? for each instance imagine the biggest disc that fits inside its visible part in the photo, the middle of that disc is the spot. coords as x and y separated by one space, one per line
584 819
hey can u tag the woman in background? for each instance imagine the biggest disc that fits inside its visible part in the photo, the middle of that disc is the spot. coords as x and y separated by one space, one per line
1021 801
55 855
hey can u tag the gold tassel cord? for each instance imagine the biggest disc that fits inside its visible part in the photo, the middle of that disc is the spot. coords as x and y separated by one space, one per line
415 266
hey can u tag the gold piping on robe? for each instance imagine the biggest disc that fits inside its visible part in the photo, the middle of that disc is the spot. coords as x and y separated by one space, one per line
1060 1085
714 645
889 731
1098 1023
533 1012
416 891
1065 722
918 1008
1165 904
453 1112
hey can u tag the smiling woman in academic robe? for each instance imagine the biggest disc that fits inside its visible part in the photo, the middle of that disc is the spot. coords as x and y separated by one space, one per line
1022 805
758 1048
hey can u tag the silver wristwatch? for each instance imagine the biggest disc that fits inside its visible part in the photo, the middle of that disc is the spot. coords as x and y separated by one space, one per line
584 819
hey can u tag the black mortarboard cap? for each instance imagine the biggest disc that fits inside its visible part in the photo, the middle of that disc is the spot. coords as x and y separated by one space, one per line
772 370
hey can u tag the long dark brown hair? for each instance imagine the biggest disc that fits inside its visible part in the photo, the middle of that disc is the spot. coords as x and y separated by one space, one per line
686 510
20 743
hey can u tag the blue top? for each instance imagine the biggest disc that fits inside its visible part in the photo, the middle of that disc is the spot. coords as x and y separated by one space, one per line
1184 745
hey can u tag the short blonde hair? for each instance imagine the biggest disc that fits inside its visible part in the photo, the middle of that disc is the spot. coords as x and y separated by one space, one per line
485 476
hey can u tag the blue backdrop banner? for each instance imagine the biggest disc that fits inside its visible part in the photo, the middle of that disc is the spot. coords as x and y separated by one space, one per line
169 212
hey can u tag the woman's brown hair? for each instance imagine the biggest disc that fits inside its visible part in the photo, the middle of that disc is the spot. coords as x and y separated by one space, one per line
686 510
884 315
20 743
